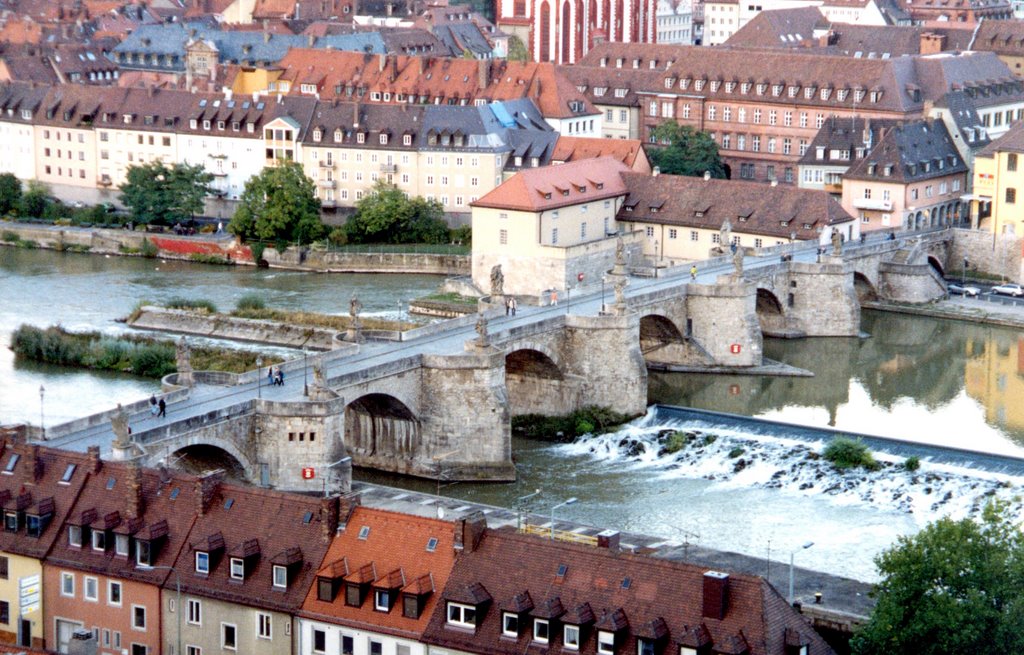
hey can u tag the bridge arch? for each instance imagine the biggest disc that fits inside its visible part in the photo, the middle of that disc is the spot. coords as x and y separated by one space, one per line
381 425
657 331
208 454
863 286
934 262
770 312
534 381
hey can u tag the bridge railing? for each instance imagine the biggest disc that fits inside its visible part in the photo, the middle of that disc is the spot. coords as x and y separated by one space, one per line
154 436
102 418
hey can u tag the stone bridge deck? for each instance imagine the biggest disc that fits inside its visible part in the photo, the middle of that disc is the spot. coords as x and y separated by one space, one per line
438 402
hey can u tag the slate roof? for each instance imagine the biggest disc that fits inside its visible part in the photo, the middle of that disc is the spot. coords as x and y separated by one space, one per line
551 187
751 207
780 28
911 152
1011 141
965 116
387 550
845 135
655 598
40 482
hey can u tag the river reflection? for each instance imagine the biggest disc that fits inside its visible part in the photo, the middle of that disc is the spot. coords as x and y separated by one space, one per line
944 382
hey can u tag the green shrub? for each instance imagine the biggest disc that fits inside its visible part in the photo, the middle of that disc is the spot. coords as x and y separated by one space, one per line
46 345
584 426
249 302
845 453
198 304
338 236
567 428
11 237
710 439
148 249
675 442
736 452
205 258
912 463
462 234
257 249
153 360
27 244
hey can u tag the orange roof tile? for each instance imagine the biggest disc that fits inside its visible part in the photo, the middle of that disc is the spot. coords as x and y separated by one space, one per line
629 151
551 187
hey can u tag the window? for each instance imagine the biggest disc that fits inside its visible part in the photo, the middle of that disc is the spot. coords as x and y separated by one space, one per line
503 237
571 637
229 636
867 194
140 649
541 629
510 624
1011 162
92 589
67 584
381 600
195 612
143 553
605 639
75 535
461 615
348 645
644 647
202 562
138 617
376 648
1011 196
583 230
319 641
673 233
5 612
193 650
3 568
121 544
114 593
280 577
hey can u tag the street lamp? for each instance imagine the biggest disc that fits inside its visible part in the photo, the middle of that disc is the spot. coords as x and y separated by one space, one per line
305 375
804 547
521 507
562 504
965 274
604 278
42 424
399 319
177 603
259 376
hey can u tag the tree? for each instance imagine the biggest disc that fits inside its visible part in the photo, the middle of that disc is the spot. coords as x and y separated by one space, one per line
955 587
158 193
10 192
279 205
35 200
517 50
387 215
685 151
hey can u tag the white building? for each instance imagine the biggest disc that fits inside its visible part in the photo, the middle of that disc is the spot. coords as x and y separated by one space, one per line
675 22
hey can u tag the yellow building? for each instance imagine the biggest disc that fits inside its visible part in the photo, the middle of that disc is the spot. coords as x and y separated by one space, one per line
997 204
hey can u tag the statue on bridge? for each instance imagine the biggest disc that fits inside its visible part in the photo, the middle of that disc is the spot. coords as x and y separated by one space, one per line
319 378
354 333
481 330
737 261
620 293
183 362
837 243
122 444
497 281
725 235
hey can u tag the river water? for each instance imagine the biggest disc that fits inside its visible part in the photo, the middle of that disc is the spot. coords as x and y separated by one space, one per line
936 381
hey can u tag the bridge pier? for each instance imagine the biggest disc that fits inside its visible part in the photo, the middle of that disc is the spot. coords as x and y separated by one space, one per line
819 300
722 319
603 354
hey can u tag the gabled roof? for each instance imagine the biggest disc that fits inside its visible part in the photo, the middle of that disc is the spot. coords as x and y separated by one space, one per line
841 138
911 152
551 187
752 207
1011 141
629 151
651 598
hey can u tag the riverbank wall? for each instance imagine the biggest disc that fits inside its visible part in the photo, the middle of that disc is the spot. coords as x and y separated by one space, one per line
225 249
220 326
980 310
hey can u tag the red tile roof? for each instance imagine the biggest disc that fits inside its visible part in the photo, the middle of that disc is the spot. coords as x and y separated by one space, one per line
392 551
629 151
670 602
551 187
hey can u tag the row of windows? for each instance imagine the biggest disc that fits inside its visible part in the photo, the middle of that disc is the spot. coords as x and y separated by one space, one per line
229 631
91 592
673 233
347 645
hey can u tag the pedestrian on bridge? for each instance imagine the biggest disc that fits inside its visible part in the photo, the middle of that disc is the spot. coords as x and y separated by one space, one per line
153 409
693 272
163 408
513 305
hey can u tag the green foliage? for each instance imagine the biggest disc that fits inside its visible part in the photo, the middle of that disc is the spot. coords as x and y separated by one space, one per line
35 200
192 304
912 463
736 452
279 205
257 249
675 442
10 237
845 453
387 215
954 587
250 301
157 193
148 249
567 428
10 192
685 151
517 49
462 234
338 236
206 258
154 361
46 345
27 244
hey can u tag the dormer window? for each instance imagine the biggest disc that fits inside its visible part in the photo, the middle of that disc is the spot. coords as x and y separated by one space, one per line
541 631
360 137
338 136
74 536
317 135
407 140
463 616
809 92
382 600
605 642
280 574
645 647
383 139
143 553
99 540
202 562
510 624
776 90
237 568
12 521
571 637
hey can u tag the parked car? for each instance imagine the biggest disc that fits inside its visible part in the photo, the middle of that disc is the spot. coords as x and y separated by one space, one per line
961 290
1009 290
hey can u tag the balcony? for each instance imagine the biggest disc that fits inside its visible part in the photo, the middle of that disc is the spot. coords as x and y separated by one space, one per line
104 181
219 173
326 163
877 205
325 184
328 203
389 168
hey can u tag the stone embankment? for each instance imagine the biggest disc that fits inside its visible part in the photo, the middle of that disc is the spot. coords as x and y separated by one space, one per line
225 249
220 326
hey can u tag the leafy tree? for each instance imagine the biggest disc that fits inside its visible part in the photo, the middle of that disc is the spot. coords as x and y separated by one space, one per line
517 50
955 587
685 151
387 215
10 192
158 193
279 205
35 200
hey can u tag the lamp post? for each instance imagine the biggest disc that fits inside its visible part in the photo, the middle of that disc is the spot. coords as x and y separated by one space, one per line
804 547
604 278
42 423
399 318
521 507
259 376
177 602
562 504
964 280
305 373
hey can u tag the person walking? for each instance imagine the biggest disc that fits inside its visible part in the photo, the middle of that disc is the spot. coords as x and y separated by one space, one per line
163 408
508 306
153 409
270 375
280 378
513 305
693 272
554 297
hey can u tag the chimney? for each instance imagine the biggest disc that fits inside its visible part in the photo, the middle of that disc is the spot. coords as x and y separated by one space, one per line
329 517
133 491
266 37
707 175
346 506
35 464
866 136
608 539
483 73
382 60
657 171
469 531
716 595
95 463
206 489
310 40
355 114
932 43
